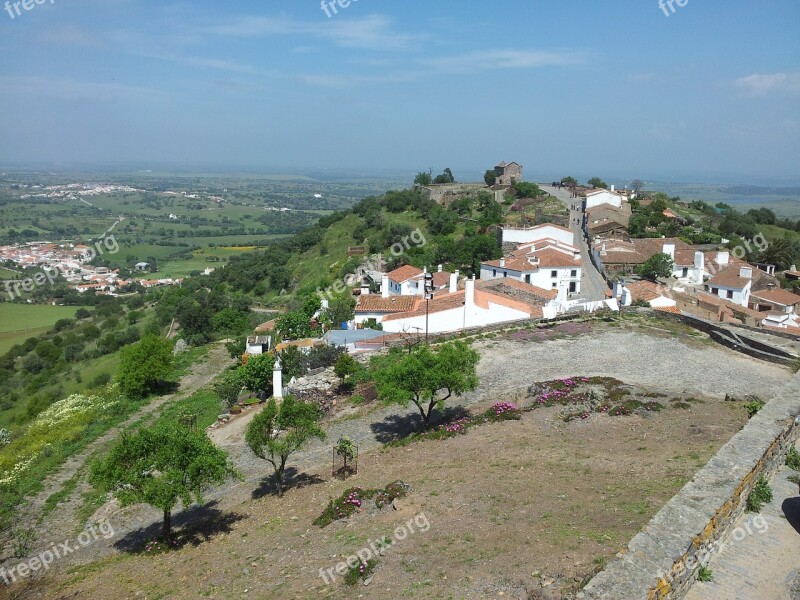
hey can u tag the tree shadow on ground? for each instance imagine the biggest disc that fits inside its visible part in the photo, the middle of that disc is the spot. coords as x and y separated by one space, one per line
791 510
396 427
292 478
190 527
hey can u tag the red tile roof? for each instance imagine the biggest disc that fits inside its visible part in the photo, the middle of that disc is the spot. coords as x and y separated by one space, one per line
644 290
373 303
404 273
777 296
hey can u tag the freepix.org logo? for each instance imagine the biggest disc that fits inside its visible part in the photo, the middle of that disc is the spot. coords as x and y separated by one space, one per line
14 9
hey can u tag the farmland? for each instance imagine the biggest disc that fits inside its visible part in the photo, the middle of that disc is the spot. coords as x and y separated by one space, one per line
21 321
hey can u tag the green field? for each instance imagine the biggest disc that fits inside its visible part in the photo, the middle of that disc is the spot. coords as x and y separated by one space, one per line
21 321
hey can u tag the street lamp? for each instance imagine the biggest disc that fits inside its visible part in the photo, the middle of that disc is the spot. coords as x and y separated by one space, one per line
428 296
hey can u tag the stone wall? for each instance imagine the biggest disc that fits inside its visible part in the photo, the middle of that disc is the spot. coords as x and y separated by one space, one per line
661 562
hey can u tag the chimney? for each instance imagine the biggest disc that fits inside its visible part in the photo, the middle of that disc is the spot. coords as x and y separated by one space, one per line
770 286
613 188
454 283
723 258
603 249
441 268
699 260
469 293
577 255
746 272
670 250
364 287
793 268
385 286
502 262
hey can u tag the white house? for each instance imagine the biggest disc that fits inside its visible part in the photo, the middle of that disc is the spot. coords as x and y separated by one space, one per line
458 310
775 300
545 264
600 196
258 345
404 281
643 291
540 232
734 283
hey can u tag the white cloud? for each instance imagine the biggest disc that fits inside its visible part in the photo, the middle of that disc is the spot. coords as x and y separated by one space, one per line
760 84
490 60
371 32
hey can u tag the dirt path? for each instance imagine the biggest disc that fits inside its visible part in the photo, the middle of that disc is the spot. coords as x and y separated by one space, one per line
62 523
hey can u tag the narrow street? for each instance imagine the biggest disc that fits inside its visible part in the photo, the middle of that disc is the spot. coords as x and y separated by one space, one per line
593 286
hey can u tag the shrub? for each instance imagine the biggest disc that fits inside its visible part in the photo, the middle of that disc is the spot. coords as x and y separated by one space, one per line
360 572
353 499
792 459
753 407
760 494
704 574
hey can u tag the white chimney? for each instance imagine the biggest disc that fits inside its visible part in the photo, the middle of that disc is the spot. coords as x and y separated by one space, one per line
723 258
454 283
793 268
699 267
385 286
670 250
613 188
603 249
364 288
746 272
469 293
502 262
441 268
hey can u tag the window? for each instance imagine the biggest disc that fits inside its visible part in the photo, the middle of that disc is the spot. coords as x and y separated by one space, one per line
574 273
715 291
527 278
554 274
505 273
494 272
730 294
555 285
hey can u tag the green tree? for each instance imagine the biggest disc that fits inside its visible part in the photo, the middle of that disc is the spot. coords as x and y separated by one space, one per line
228 387
256 374
279 431
523 189
160 467
637 185
423 178
596 182
144 365
341 309
345 366
658 265
426 377
490 177
569 181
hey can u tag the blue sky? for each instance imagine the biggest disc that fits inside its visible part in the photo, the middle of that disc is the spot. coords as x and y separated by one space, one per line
614 87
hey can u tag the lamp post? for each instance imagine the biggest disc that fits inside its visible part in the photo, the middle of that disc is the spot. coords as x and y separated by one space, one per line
428 296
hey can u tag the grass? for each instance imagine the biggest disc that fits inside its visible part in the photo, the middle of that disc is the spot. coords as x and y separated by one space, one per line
704 574
793 459
761 494
18 322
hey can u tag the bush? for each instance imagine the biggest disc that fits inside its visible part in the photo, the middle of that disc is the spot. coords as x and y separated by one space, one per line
753 407
704 574
792 459
760 495
360 572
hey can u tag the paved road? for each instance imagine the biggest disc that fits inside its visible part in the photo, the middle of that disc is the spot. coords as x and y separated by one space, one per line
763 565
593 286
